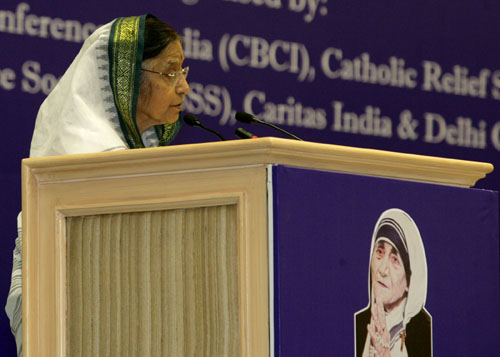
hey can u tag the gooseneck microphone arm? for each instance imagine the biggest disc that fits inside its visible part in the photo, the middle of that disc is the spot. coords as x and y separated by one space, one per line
193 121
249 119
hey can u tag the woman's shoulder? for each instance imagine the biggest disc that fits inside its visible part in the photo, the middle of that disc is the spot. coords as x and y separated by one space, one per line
421 321
363 316
419 335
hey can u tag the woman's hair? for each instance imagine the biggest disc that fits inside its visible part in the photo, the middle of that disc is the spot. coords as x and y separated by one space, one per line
157 36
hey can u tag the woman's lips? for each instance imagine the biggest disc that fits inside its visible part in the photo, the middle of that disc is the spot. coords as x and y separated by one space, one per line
382 284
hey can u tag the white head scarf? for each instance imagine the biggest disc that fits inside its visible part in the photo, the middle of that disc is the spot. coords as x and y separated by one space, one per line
80 115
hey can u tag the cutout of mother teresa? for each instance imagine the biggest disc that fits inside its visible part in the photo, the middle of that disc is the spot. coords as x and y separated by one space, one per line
395 323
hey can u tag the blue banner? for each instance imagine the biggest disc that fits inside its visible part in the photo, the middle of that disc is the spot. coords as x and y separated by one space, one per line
410 77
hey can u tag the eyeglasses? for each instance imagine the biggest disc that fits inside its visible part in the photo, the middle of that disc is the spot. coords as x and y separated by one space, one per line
172 77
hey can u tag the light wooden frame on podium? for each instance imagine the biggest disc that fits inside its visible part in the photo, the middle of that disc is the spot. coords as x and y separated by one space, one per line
179 177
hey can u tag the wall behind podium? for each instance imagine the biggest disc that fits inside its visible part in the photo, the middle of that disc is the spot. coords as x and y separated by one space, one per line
418 77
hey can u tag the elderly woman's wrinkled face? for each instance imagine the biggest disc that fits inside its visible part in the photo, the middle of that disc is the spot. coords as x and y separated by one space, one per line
388 275
160 99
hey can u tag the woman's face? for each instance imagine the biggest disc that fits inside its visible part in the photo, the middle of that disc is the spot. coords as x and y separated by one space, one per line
388 275
160 100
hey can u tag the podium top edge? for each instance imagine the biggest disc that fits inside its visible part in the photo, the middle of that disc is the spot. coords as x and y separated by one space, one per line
268 150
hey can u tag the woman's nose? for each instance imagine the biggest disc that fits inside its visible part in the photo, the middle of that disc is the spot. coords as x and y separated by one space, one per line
182 86
384 264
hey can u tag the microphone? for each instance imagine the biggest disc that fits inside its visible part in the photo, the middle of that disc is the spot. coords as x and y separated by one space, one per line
244 134
250 119
193 121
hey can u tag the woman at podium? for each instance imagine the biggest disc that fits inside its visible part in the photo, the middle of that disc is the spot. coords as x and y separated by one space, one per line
124 90
395 323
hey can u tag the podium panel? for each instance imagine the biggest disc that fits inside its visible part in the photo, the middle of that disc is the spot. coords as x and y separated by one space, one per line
326 254
98 273
162 283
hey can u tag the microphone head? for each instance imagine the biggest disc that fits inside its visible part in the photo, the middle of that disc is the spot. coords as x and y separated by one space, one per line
245 117
191 120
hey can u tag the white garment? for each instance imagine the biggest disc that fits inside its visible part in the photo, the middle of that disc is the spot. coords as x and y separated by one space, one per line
78 116
13 308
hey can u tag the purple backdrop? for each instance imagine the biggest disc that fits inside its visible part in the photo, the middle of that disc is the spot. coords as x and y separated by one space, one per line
323 227
420 77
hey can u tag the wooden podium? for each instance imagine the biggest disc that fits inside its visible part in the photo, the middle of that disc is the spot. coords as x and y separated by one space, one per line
166 251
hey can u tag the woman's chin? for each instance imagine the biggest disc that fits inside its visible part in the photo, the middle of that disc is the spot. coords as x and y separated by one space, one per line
172 118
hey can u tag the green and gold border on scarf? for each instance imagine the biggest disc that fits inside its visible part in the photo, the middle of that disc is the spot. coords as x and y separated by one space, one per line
167 132
126 43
